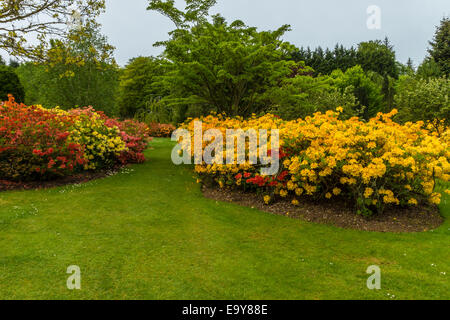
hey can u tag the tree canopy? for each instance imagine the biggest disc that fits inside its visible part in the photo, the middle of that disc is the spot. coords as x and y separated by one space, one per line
369 97
326 61
195 11
25 25
78 71
377 56
136 86
440 46
304 95
224 67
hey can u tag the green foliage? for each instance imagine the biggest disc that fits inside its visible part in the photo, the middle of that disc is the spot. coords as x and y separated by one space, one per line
33 76
325 62
10 84
195 11
136 85
369 98
304 95
377 56
223 67
406 69
157 111
387 85
423 99
429 69
79 71
14 63
440 46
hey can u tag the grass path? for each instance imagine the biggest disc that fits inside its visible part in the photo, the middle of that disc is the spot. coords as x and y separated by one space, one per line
148 233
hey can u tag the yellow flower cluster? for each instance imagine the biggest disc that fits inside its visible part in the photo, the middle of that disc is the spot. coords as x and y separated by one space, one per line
103 144
373 164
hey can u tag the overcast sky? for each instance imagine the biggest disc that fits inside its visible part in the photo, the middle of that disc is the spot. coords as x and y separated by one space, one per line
409 24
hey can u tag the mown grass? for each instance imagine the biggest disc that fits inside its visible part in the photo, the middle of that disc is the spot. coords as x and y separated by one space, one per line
148 233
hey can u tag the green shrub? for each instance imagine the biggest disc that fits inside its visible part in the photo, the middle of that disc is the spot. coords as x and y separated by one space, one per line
423 99
367 92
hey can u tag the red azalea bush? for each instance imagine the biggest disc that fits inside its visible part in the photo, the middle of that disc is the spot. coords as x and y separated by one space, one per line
38 143
33 142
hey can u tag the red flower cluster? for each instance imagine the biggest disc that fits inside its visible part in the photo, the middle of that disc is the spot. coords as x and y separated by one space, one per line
136 137
261 181
34 140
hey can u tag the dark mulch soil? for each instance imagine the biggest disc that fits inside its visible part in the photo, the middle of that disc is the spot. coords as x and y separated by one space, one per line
84 177
339 214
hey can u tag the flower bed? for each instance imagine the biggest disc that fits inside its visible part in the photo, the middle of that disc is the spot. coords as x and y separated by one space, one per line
42 144
372 164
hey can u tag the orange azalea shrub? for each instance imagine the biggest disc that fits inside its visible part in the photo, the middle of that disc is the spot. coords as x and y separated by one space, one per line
373 164
161 130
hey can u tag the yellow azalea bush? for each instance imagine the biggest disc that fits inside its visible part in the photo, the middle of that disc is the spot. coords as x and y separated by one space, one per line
373 164
103 144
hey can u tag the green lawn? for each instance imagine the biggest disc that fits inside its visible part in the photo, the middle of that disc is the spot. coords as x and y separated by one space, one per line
148 233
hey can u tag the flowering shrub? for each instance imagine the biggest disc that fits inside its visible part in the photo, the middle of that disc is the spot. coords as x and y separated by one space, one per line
103 144
135 135
160 130
38 143
34 142
373 164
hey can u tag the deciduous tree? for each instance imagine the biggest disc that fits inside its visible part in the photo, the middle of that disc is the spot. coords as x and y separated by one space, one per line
79 70
26 25
136 86
216 66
